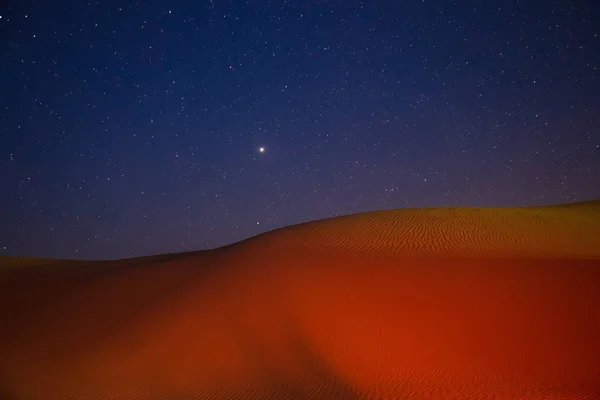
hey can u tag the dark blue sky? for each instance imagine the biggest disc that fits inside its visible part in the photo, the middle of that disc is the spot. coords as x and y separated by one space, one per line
131 128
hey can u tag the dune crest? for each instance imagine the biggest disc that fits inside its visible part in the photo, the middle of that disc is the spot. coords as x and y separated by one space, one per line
402 304
570 230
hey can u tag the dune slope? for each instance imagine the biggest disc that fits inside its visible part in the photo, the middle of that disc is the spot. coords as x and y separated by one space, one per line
442 303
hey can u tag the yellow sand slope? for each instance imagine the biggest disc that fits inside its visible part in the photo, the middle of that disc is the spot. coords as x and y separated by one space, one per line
449 303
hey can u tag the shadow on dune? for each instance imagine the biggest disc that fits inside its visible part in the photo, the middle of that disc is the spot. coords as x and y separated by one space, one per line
306 374
316 381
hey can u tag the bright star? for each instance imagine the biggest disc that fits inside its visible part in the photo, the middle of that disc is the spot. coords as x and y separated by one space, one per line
261 149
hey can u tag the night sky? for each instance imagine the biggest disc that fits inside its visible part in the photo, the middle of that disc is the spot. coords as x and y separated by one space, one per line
134 128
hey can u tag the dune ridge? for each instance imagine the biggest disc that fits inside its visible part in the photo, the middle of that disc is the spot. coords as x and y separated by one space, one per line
570 230
453 303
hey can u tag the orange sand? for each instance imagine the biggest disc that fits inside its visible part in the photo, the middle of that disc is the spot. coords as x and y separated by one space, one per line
455 303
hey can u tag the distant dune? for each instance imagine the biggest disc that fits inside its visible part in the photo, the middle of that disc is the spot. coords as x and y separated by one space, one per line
439 303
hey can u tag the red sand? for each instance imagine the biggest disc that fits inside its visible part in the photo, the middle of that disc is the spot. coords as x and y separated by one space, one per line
406 304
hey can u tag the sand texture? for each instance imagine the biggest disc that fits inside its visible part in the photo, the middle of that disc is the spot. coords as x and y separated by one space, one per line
443 303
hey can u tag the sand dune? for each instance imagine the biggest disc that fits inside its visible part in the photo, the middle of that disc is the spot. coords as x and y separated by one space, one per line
569 230
447 303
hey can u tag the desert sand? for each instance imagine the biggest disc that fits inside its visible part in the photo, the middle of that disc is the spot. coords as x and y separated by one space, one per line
439 303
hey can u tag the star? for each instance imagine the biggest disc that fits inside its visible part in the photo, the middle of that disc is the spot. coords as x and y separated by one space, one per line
261 149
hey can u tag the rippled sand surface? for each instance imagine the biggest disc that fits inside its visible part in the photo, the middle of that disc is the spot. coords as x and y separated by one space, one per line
447 303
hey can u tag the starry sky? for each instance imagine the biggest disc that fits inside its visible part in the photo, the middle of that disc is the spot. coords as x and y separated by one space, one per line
130 128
